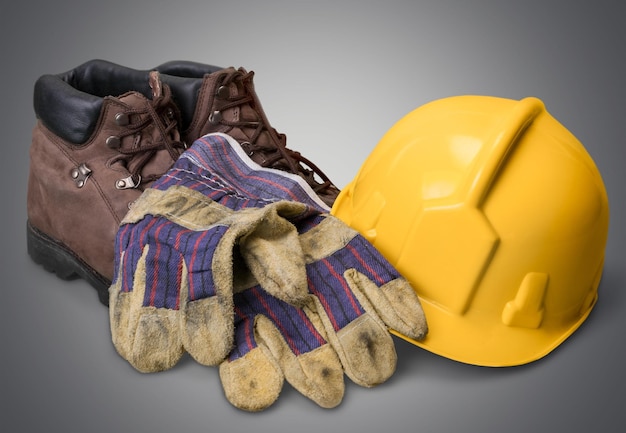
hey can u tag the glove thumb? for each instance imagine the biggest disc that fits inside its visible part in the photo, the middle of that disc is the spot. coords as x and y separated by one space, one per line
271 249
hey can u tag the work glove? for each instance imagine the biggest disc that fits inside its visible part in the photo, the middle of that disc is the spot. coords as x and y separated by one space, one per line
355 297
173 285
354 294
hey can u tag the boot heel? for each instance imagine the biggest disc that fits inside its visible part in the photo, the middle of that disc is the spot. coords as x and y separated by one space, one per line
58 259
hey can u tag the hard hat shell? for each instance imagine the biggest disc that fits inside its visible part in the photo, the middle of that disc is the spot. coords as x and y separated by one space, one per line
497 216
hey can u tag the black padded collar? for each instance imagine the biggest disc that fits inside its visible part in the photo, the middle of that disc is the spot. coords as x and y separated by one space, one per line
69 103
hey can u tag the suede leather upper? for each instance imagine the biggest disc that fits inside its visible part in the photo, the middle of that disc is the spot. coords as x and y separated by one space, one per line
74 131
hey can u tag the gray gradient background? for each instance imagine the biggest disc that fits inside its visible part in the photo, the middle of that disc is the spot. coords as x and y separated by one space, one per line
334 76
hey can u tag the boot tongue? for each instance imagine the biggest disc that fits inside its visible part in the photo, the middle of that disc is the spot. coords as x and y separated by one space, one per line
154 162
155 84
248 112
250 127
136 99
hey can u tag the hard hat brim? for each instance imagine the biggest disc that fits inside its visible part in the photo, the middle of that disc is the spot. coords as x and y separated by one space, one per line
480 343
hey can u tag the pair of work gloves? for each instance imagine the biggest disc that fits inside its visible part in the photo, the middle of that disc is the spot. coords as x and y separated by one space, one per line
243 268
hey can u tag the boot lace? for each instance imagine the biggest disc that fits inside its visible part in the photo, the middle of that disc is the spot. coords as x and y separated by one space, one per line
161 114
275 151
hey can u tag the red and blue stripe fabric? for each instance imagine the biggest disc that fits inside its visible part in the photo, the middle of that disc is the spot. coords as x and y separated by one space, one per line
326 282
293 324
170 246
342 268
217 166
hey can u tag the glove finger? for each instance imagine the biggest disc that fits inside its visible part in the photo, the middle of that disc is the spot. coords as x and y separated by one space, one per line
251 378
146 336
317 374
206 323
363 345
125 301
283 338
271 249
395 302
119 312
156 345
128 253
206 292
338 253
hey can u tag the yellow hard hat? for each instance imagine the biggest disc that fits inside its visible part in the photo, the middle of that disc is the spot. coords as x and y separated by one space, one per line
498 217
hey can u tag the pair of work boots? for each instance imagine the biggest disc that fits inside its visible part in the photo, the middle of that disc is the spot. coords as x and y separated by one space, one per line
105 132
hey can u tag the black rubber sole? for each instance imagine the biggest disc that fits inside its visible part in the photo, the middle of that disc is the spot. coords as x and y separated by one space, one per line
57 258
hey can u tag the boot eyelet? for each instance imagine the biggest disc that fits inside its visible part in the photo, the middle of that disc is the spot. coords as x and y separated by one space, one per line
80 175
245 145
128 182
122 119
223 92
215 117
113 142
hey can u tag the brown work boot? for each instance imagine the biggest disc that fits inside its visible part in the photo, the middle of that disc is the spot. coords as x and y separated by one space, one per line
226 101
103 134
